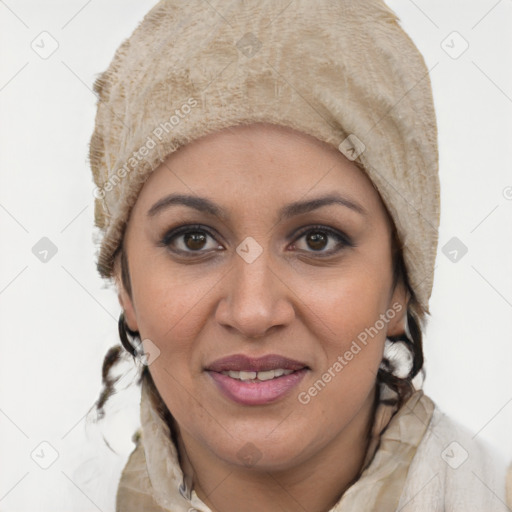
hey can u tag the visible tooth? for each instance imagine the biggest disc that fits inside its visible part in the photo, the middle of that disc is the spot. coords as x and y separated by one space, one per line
263 375
267 375
247 375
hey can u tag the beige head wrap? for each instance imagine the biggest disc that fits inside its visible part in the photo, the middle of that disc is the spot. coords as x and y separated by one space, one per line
341 70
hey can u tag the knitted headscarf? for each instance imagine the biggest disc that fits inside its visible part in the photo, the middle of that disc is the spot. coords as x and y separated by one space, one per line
343 71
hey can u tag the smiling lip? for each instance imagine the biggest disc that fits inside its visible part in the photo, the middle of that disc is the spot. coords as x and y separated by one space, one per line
240 362
253 392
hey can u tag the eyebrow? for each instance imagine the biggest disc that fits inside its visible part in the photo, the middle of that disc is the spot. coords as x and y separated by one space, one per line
205 205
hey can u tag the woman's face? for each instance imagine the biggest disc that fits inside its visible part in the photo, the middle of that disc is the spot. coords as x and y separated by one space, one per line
257 249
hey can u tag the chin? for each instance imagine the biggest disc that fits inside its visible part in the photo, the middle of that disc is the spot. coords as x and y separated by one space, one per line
263 453
263 458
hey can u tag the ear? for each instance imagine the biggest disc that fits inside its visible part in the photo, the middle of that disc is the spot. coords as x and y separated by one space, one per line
398 302
124 298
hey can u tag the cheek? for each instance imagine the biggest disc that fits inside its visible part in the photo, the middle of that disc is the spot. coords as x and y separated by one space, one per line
172 307
351 298
168 300
171 313
350 312
351 336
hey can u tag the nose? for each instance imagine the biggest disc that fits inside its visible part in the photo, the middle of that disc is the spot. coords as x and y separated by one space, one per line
256 298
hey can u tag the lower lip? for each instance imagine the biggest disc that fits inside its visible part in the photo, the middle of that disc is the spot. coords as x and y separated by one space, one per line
257 393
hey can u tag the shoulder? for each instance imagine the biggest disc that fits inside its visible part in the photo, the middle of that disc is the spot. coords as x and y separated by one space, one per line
454 470
509 487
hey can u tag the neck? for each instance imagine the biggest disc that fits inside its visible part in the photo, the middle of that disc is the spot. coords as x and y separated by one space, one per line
315 485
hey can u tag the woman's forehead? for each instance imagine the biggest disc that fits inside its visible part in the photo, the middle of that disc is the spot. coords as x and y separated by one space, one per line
261 159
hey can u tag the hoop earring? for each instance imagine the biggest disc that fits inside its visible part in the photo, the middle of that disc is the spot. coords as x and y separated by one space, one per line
398 358
124 330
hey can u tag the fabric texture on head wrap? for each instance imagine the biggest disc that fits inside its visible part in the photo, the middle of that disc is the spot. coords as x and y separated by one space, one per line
340 70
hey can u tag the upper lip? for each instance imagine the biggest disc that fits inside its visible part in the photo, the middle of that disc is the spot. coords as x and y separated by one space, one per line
241 362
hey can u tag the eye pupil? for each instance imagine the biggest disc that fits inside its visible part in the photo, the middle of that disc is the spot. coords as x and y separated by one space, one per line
318 239
197 240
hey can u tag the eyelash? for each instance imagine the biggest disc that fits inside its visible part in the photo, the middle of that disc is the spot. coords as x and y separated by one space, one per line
341 238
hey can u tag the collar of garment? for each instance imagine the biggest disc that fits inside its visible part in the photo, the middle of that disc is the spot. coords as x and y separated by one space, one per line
154 481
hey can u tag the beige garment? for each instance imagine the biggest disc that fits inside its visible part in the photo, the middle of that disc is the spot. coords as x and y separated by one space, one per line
153 480
425 462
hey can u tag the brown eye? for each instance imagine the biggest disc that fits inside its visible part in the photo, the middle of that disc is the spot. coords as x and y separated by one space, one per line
189 239
317 240
194 240
323 240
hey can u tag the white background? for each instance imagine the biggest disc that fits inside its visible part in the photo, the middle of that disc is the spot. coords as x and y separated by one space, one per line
57 319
